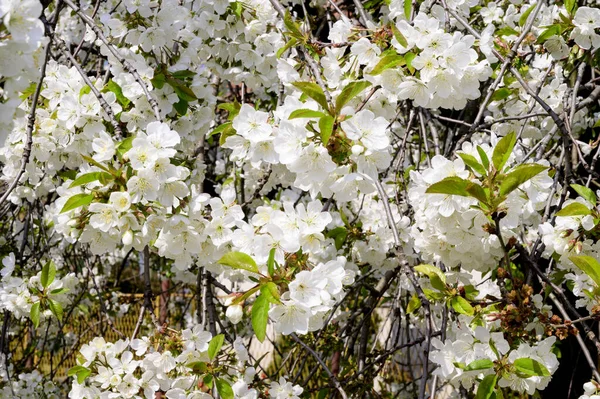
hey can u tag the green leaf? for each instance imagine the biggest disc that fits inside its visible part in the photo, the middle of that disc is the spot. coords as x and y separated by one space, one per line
409 57
574 209
553 30
224 389
215 345
326 128
84 90
525 15
28 92
588 265
339 235
503 150
291 25
484 158
501 94
115 88
481 364
452 185
586 193
228 131
239 260
352 90
407 9
48 274
260 316
271 291
462 306
34 314
271 262
290 43
571 6
486 387
56 309
181 106
506 31
159 80
530 367
220 128
313 91
92 161
477 192
430 270
519 176
183 74
472 163
59 291
183 92
76 201
413 304
81 372
232 108
306 113
103 177
387 62
125 146
399 37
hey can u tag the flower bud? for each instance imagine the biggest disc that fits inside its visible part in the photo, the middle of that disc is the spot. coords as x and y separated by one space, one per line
235 313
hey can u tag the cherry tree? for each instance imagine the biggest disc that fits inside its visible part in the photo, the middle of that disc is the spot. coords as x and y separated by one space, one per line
361 199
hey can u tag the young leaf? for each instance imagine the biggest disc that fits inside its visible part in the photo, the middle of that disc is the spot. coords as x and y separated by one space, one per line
239 260
271 262
224 389
553 30
76 201
519 176
125 146
159 80
588 265
305 113
399 37
271 291
183 74
477 192
501 94
183 92
48 274
326 128
290 43
116 89
486 387
352 90
586 193
462 306
215 345
56 309
450 185
407 9
574 209
260 316
530 367
484 158
413 304
503 150
81 372
481 364
571 6
387 62
91 177
34 314
525 15
472 163
313 91
430 270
